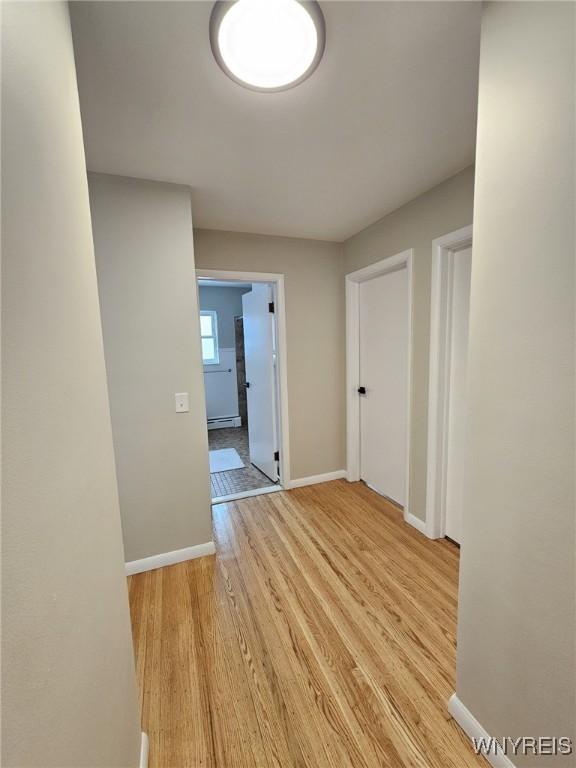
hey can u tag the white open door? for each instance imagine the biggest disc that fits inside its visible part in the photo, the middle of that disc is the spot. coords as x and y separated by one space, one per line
384 344
261 392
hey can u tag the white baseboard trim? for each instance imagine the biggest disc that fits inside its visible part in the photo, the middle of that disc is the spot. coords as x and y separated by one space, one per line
225 422
474 729
144 748
299 482
169 558
414 521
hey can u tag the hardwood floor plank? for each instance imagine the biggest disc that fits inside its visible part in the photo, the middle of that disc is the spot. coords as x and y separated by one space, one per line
236 736
403 705
378 590
341 679
321 635
412 692
290 703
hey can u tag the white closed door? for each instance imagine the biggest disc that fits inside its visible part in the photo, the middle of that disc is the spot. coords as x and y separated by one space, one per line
261 397
384 329
460 306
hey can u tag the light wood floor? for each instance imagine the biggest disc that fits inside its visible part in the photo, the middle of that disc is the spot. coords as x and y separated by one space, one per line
322 634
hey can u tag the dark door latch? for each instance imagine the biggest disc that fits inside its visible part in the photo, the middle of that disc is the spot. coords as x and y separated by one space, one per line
361 390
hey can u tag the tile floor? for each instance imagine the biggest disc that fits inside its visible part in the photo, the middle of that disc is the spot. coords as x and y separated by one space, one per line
235 480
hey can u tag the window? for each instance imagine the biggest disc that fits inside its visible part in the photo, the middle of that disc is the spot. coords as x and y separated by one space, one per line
209 333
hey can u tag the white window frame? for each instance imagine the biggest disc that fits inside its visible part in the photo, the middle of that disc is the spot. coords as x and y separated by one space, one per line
214 315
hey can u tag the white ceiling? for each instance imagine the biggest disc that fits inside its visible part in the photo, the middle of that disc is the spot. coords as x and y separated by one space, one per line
389 113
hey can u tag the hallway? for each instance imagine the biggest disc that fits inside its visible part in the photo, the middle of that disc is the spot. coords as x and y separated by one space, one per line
322 634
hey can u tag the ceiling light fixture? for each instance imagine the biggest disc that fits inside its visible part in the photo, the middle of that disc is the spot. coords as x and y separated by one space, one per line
267 45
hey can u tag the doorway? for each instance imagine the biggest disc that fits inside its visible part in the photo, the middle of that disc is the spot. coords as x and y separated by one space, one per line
243 356
378 341
450 309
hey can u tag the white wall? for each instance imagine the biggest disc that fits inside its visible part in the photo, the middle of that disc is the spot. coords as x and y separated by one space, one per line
147 284
516 653
445 208
68 684
221 386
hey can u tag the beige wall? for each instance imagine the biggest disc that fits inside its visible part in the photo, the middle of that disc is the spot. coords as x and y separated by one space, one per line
443 209
146 279
68 684
315 330
516 670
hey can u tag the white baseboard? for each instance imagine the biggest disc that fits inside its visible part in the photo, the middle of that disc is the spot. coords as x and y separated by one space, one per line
225 422
169 558
314 479
414 521
473 728
144 747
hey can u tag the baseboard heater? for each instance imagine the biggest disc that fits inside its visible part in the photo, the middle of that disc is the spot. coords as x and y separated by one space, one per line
227 421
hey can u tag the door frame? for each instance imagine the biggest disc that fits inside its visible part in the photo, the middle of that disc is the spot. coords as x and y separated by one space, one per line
276 280
444 250
353 280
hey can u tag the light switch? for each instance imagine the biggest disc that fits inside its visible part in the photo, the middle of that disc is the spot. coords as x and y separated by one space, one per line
182 402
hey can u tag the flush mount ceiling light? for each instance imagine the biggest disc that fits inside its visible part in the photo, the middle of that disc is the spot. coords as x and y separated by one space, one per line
267 45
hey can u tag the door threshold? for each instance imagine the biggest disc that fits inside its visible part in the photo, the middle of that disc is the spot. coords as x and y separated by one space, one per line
246 494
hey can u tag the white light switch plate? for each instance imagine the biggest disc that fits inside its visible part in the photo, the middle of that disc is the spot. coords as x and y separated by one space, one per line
182 401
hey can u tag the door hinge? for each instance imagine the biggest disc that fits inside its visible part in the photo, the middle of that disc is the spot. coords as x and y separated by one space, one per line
276 455
271 307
